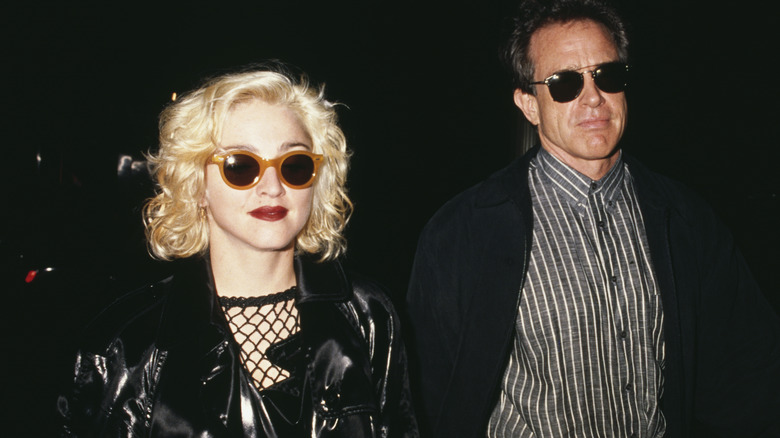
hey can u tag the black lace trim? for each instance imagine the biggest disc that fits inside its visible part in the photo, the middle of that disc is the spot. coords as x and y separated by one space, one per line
244 302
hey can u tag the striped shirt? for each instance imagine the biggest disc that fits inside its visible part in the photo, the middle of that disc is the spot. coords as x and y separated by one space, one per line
588 354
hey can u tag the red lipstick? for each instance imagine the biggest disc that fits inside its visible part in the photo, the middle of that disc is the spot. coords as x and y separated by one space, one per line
271 214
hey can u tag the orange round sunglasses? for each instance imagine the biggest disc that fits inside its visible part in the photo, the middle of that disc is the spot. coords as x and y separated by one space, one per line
242 170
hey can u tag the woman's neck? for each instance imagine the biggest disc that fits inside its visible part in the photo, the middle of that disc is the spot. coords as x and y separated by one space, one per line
252 273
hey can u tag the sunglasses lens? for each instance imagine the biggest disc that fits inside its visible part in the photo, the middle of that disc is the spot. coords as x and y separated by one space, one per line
565 86
612 77
298 169
241 170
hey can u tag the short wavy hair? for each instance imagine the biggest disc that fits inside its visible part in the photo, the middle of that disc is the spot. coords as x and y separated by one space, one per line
533 15
190 127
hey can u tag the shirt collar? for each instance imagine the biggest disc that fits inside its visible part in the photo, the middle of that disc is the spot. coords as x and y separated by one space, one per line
574 186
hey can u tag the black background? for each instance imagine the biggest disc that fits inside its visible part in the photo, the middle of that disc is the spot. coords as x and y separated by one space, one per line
427 112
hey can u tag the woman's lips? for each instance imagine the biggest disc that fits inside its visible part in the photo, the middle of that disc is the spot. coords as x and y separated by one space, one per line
270 214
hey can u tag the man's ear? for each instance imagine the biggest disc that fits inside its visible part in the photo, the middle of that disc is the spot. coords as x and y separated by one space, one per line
528 105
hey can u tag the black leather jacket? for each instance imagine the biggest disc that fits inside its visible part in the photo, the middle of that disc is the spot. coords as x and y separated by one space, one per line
162 361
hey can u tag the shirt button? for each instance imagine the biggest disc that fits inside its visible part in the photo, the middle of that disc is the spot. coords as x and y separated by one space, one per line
629 387
594 186
614 278
623 334
601 224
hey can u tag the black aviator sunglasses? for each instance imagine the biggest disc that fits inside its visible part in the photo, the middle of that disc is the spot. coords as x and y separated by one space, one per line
565 86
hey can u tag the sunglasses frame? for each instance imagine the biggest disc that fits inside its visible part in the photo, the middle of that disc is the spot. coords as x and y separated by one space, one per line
221 158
594 73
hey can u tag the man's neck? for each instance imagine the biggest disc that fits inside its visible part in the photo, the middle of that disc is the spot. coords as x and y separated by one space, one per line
595 169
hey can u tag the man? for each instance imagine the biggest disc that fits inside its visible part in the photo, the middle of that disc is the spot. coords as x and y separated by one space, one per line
576 293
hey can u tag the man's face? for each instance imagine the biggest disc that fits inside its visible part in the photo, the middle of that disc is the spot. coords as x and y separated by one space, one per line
584 132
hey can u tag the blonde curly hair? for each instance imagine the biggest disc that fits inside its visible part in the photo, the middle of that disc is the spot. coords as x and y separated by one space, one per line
190 127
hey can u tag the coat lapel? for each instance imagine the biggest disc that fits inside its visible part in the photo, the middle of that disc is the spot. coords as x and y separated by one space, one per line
656 213
501 242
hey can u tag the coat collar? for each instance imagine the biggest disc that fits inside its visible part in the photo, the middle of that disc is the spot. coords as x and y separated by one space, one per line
503 185
644 184
318 282
192 312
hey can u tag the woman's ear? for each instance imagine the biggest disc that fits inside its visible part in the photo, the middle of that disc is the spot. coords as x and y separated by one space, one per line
203 202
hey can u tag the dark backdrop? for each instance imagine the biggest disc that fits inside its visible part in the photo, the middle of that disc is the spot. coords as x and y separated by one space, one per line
427 111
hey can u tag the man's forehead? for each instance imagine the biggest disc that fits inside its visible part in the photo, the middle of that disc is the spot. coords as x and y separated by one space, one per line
548 44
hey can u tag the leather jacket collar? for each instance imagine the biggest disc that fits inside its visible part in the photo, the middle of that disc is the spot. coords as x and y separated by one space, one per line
193 304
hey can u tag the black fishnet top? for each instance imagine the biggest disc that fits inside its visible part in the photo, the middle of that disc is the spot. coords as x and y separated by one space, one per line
257 323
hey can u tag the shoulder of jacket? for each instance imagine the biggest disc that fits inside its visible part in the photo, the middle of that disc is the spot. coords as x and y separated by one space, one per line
660 191
365 289
503 195
138 311
369 308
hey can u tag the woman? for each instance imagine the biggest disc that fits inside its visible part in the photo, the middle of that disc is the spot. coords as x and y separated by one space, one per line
259 332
